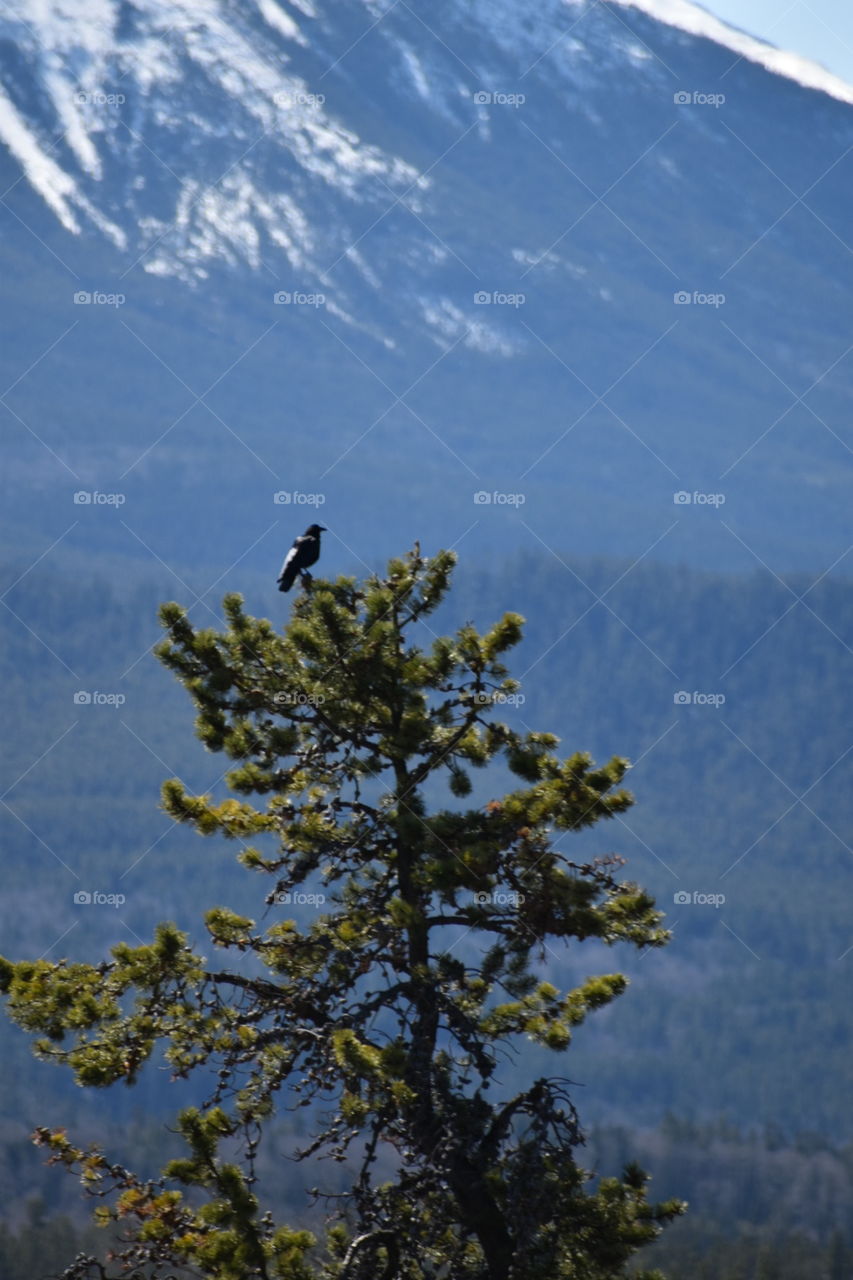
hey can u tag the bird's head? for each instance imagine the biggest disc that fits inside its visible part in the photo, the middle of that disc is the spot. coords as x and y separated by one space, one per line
314 529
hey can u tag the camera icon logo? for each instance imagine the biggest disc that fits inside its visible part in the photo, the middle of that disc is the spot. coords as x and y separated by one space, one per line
283 898
681 99
482 498
82 498
82 898
81 297
82 698
682 698
482 898
282 498
682 498
482 98
681 898
482 298
682 298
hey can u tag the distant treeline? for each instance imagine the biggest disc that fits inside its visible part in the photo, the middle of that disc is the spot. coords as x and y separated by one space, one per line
746 1014
760 1208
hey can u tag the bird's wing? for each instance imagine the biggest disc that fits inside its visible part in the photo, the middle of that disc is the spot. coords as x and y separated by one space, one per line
290 557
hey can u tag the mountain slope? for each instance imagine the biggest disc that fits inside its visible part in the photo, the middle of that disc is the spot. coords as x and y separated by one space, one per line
526 252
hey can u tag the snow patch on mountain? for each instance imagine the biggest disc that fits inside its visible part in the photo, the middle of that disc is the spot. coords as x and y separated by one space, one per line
57 188
699 22
588 37
451 325
118 91
280 21
223 223
417 75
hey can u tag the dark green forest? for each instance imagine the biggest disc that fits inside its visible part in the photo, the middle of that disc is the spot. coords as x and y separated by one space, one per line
725 1069
761 1207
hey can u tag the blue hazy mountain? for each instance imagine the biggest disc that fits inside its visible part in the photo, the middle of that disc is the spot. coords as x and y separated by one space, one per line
566 258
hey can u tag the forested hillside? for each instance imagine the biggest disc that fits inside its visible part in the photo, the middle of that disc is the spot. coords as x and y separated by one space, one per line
743 1021
746 1014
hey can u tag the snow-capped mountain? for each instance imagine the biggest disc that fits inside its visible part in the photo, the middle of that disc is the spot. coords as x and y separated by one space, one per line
201 131
620 229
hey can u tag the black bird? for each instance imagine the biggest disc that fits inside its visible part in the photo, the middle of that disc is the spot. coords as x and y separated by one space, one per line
304 552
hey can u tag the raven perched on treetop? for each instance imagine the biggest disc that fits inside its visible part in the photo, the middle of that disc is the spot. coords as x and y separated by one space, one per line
304 552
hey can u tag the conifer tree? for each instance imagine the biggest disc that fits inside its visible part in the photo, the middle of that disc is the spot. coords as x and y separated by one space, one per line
390 1009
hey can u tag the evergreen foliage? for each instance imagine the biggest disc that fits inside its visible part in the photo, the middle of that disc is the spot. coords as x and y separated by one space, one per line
390 1010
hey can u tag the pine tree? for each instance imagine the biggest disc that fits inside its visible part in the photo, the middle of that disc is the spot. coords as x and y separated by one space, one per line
389 1012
